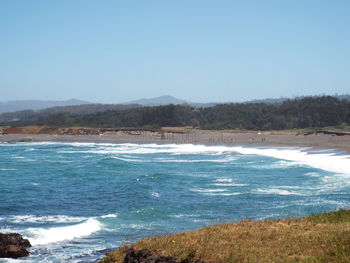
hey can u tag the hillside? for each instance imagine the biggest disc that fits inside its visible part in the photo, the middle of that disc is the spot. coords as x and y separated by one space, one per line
158 101
167 100
31 115
320 238
19 105
308 112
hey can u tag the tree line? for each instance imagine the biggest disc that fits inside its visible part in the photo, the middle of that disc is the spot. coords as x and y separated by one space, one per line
305 112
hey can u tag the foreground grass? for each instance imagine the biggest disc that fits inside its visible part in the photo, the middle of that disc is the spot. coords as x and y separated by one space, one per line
318 238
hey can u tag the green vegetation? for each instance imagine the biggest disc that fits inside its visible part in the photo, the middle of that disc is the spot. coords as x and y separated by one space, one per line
341 127
320 238
31 115
304 113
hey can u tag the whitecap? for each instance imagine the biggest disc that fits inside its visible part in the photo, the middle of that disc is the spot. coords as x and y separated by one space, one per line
58 219
282 164
228 184
276 191
42 236
224 180
325 161
128 159
155 194
297 156
109 216
167 160
222 194
136 226
313 174
202 190
289 187
185 215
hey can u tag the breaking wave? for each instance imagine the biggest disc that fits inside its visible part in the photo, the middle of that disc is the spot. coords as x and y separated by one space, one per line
276 191
58 219
42 236
328 161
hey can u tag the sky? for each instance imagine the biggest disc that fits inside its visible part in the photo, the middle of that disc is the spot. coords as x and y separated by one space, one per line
199 50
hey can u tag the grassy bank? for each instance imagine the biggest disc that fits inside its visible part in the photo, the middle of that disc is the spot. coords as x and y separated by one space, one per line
319 238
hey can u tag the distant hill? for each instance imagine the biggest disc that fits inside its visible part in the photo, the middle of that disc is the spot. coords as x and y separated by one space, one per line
269 101
307 112
18 105
343 97
279 101
158 101
29 115
31 110
166 100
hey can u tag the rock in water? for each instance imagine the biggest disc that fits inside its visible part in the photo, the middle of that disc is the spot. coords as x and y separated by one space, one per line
13 246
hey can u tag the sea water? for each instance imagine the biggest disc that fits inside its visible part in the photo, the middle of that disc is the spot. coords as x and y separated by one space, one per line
75 200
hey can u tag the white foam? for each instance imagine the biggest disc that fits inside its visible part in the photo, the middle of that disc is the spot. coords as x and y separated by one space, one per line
276 191
224 180
222 194
17 157
128 159
8 169
185 215
289 187
10 260
155 194
83 144
167 160
109 216
42 236
202 190
229 184
313 174
137 226
325 161
319 159
16 144
281 164
59 219
156 148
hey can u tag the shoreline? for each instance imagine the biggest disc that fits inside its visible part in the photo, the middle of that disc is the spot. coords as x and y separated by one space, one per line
316 142
210 138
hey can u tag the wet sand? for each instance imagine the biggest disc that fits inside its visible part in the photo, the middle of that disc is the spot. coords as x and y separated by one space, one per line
339 143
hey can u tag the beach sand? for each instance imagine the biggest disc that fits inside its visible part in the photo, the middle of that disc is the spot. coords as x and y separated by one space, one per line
317 142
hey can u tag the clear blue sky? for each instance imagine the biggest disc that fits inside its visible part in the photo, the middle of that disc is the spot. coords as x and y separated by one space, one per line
199 50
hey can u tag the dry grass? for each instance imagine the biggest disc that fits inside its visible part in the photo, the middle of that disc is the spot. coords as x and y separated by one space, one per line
319 238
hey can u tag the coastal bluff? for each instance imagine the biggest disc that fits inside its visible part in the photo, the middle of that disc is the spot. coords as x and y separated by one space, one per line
13 245
321 238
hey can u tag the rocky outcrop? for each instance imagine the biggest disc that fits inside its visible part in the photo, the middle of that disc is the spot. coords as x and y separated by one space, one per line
146 256
13 246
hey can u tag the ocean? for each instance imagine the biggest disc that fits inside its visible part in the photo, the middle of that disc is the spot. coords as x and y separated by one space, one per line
75 201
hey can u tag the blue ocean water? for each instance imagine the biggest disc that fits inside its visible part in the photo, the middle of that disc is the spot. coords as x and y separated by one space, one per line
74 200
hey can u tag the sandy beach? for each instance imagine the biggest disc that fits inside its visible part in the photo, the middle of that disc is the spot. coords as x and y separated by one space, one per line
317 142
